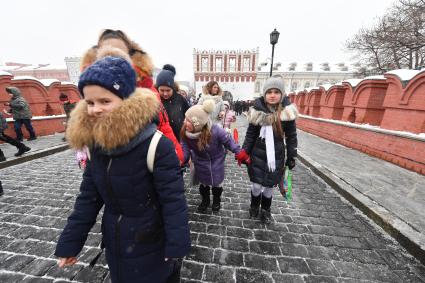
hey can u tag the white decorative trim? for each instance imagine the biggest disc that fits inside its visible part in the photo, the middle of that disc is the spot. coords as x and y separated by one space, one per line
367 127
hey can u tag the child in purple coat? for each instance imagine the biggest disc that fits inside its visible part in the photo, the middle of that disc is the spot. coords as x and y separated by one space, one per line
206 144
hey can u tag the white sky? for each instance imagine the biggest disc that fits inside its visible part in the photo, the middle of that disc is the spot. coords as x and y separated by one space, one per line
43 31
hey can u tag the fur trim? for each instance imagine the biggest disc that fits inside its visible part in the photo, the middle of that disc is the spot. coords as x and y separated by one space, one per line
115 129
88 58
289 113
205 91
112 51
142 61
257 117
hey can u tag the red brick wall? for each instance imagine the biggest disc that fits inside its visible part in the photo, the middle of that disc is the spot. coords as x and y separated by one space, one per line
44 101
388 103
402 151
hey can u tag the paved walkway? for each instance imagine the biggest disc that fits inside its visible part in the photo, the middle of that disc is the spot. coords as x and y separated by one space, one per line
42 146
392 195
318 237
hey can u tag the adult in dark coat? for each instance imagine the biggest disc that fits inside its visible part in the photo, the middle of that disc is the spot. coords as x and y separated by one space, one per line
174 103
21 112
268 156
145 222
3 137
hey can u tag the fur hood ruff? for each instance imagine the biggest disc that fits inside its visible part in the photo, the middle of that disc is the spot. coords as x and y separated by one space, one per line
117 128
261 118
141 60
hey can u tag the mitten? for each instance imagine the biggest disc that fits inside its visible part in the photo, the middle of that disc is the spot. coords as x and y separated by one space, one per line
243 157
290 162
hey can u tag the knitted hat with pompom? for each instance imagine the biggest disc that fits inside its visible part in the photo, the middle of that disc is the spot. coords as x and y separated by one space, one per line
199 115
112 71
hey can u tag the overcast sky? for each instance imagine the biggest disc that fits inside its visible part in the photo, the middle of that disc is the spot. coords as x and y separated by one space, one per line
42 31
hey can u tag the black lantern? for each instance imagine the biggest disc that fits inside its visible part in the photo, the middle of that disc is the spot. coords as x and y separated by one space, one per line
274 37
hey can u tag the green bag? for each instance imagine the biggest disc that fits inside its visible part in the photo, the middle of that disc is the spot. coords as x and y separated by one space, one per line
285 185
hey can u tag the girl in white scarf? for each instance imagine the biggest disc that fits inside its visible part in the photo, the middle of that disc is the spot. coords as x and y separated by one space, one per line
271 121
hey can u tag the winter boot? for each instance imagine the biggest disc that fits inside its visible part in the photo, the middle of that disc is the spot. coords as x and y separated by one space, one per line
204 191
266 215
2 157
22 149
1 189
216 191
255 205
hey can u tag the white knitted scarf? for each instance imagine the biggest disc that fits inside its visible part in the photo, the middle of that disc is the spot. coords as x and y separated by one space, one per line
266 133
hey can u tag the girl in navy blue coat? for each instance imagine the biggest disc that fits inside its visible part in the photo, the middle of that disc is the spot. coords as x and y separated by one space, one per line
145 223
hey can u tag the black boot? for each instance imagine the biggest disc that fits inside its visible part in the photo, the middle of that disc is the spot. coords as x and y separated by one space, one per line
266 215
255 205
216 191
1 189
22 149
2 157
204 191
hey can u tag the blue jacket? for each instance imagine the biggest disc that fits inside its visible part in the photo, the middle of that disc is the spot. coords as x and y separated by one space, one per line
145 214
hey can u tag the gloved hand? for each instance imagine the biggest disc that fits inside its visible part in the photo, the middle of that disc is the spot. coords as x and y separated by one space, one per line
290 162
242 157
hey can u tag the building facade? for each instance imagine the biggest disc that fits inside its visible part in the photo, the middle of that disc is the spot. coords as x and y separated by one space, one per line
235 71
40 71
299 76
73 67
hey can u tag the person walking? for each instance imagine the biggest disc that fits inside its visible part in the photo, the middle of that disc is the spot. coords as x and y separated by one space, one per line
3 137
68 106
21 113
175 104
145 226
228 117
271 121
212 91
206 143
142 65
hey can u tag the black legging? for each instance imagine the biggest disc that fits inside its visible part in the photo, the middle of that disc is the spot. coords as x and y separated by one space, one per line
9 140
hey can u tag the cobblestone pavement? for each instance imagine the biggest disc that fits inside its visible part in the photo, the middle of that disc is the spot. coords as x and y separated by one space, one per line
40 143
318 237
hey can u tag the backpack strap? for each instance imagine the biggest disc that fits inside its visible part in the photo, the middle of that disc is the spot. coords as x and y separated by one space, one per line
150 159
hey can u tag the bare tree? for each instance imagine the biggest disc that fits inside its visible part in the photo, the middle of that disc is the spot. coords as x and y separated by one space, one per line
395 41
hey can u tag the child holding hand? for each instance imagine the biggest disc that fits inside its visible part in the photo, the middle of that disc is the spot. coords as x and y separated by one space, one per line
206 143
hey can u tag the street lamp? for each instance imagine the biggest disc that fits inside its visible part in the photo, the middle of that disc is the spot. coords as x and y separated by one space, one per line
274 37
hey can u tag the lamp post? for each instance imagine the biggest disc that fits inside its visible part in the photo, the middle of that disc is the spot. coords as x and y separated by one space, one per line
274 37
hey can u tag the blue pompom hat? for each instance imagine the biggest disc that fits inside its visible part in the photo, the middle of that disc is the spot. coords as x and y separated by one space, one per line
112 73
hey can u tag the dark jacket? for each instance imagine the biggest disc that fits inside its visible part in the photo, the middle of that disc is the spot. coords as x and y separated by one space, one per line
176 106
19 107
255 146
145 216
3 123
209 163
68 106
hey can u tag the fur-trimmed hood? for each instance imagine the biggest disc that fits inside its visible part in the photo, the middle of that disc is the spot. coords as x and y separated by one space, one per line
205 91
121 127
142 61
260 115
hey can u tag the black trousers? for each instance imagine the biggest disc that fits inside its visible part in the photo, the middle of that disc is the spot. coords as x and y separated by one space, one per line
9 140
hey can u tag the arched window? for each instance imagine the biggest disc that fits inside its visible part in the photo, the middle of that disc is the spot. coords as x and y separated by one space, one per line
307 85
294 86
